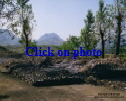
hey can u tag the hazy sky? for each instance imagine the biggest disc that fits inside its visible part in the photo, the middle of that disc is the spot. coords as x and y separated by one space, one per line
62 17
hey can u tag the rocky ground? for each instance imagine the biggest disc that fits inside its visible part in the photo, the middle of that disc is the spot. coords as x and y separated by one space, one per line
43 70
85 73
13 89
60 70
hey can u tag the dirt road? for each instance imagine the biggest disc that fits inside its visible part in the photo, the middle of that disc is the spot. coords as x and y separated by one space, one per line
13 89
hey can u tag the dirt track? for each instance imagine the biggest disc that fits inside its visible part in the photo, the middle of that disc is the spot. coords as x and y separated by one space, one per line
13 89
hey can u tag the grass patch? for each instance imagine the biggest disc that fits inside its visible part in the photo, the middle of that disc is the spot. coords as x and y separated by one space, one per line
123 56
20 49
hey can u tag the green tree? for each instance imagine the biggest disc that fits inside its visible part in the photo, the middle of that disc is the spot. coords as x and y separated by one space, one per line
26 39
32 44
120 18
83 38
8 9
117 14
75 41
25 22
67 46
101 22
88 35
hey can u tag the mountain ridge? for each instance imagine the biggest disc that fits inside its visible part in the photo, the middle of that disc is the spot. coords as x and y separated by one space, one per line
46 39
8 38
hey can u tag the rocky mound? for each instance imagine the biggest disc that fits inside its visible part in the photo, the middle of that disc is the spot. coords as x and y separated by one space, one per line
105 68
44 69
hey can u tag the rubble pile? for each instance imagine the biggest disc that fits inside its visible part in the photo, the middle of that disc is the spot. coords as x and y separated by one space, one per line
114 84
47 70
105 68
42 70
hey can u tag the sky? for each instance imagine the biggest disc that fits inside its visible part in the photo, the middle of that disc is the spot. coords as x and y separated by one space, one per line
63 17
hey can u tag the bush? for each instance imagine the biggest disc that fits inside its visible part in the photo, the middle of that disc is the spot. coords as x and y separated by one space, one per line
32 44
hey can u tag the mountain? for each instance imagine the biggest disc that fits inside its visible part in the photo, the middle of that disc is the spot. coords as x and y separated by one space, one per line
46 39
6 39
50 39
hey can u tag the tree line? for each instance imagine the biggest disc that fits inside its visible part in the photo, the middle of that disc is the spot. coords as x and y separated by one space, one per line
107 25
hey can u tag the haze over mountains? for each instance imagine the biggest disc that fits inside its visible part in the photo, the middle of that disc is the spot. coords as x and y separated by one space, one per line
46 39
6 39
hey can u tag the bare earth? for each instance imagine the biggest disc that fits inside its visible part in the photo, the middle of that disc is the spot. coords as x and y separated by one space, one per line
13 89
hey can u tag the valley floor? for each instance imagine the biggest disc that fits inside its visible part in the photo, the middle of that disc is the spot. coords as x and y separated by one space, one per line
13 89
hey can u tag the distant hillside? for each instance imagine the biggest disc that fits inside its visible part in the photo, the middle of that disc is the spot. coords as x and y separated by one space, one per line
6 39
50 39
46 39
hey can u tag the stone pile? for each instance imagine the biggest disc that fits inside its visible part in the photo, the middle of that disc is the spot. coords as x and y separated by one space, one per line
52 70
41 70
114 84
35 74
105 68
